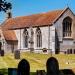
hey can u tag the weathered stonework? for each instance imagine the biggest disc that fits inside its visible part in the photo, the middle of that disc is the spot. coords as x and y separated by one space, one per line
52 36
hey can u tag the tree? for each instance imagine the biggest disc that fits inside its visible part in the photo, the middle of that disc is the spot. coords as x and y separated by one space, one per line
4 5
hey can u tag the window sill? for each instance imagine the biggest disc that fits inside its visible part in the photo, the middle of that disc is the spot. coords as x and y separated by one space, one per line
66 38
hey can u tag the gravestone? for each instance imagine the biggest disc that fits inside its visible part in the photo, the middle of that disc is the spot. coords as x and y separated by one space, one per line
0 45
17 54
52 66
1 74
2 52
12 71
23 67
40 72
74 51
67 72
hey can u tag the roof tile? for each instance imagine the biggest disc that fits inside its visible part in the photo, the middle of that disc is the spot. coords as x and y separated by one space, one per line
34 20
9 35
25 21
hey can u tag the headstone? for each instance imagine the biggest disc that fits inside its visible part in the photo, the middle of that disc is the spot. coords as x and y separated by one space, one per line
1 74
0 45
74 51
67 72
12 71
17 54
40 72
52 66
2 52
23 67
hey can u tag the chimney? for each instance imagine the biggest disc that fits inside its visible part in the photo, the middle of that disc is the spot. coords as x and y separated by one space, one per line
8 14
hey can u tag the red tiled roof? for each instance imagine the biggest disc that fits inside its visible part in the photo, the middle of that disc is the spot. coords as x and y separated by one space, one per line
9 35
42 19
34 20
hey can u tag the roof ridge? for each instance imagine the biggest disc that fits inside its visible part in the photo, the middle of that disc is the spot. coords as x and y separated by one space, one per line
33 14
61 14
40 19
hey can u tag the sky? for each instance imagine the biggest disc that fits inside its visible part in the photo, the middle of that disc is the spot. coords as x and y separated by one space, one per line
28 7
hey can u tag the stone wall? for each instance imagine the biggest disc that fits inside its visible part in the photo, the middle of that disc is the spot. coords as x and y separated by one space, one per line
48 36
59 29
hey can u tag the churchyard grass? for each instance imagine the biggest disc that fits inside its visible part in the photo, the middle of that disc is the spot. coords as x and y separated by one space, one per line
37 61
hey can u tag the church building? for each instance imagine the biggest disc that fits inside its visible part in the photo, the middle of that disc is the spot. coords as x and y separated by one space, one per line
52 31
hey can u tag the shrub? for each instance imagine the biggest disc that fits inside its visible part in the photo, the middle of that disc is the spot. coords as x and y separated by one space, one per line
44 49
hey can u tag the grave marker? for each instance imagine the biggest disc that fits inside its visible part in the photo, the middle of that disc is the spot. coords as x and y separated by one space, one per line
23 67
2 52
12 71
52 66
17 54
40 72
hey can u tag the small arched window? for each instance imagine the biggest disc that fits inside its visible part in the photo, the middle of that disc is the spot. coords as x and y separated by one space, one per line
39 37
67 27
25 38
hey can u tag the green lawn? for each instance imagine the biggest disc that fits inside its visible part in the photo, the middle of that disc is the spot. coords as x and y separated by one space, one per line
37 61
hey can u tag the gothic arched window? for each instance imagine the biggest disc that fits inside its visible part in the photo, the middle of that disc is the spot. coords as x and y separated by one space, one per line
39 37
67 27
25 38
